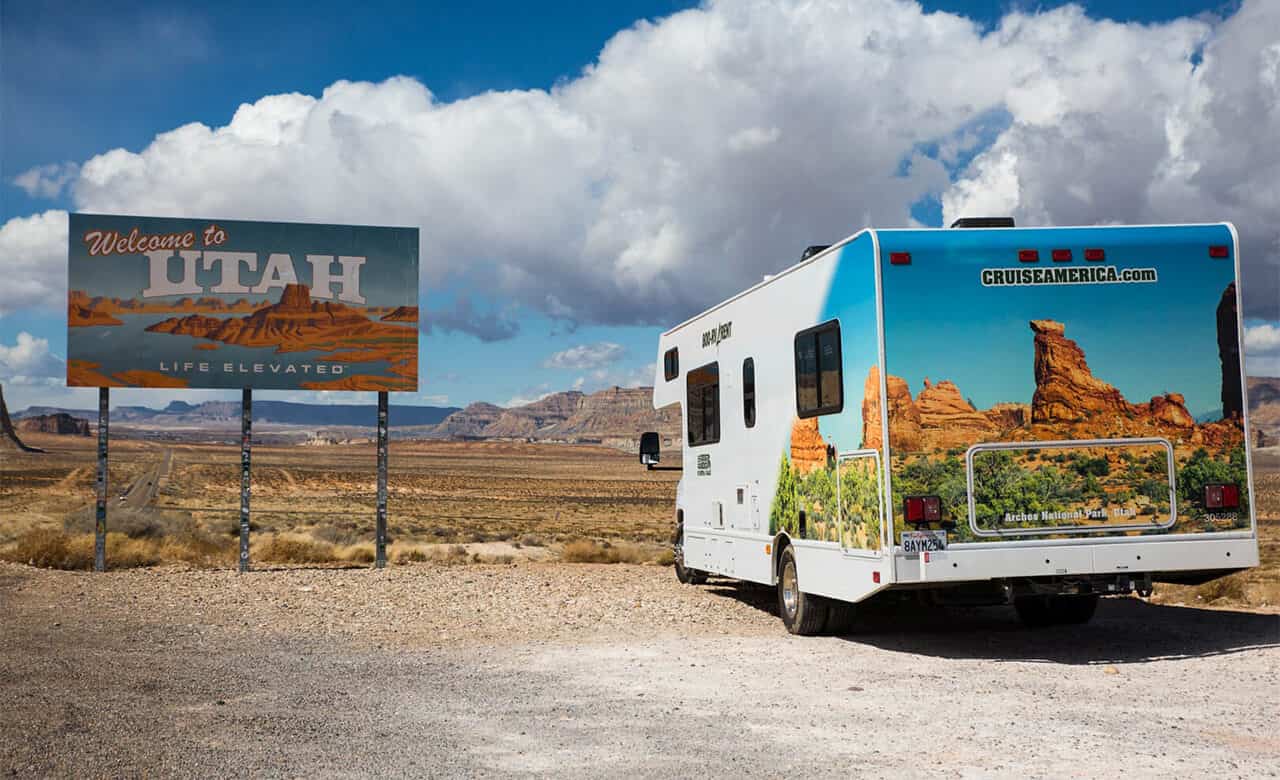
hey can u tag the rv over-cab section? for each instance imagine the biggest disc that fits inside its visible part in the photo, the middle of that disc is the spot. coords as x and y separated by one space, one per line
925 406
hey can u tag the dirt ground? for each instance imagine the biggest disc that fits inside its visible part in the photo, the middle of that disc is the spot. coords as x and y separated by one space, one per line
603 670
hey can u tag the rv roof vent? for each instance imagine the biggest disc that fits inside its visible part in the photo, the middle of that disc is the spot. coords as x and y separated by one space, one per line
983 222
810 251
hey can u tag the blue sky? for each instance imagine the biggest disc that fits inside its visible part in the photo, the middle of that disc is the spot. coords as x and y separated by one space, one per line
80 79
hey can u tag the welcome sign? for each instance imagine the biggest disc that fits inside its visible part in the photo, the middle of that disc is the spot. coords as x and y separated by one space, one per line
160 302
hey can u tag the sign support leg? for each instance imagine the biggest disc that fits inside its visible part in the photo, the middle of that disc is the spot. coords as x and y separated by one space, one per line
100 511
246 435
381 532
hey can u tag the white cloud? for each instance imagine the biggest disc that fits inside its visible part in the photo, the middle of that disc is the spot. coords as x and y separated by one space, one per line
1261 339
47 181
708 148
33 261
29 362
601 353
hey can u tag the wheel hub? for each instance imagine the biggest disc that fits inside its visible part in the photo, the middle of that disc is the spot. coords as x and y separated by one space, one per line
790 593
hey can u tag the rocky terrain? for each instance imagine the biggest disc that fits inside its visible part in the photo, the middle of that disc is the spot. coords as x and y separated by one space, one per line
613 416
597 670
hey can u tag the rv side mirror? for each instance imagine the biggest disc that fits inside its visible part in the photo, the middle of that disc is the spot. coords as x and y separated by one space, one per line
650 448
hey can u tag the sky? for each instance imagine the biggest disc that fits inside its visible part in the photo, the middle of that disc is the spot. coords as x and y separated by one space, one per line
584 176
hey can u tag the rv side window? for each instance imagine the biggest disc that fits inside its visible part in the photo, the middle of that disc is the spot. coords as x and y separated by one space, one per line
819 377
749 392
702 388
671 364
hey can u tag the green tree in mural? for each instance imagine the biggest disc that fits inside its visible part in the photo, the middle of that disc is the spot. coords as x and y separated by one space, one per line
860 503
784 514
1203 469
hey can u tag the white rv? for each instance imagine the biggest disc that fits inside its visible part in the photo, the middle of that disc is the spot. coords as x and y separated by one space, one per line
1028 415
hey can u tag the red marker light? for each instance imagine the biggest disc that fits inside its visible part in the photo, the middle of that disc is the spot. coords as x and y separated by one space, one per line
1219 252
1095 255
1061 255
922 509
875 577
1218 496
1028 256
900 258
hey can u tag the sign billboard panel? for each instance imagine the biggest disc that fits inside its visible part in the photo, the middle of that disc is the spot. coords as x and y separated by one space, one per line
161 302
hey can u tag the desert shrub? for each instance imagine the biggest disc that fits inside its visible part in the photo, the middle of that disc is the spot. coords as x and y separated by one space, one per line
410 555
292 548
358 553
587 551
1229 588
532 540
335 534
50 548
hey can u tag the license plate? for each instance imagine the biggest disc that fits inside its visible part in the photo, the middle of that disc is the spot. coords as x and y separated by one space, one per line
916 542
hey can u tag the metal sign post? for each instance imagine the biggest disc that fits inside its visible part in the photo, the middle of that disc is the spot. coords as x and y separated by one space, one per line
380 560
246 431
100 512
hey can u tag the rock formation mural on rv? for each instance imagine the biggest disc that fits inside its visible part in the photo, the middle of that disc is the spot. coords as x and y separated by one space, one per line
1098 486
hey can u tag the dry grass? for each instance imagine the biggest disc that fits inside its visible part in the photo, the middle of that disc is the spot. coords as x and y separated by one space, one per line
590 551
53 548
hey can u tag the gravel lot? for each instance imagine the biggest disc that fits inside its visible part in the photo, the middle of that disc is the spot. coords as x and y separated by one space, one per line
593 670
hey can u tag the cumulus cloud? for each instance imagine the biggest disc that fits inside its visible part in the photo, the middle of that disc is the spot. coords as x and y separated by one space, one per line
708 148
29 362
1262 338
47 181
584 356
33 259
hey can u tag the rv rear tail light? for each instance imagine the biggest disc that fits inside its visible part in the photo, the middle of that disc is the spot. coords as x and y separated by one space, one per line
1095 255
1219 496
1028 256
1061 255
900 258
1219 251
922 509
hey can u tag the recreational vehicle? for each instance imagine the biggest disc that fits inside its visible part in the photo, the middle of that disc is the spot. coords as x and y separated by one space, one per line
1035 416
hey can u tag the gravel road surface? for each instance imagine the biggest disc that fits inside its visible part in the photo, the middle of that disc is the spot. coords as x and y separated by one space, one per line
597 670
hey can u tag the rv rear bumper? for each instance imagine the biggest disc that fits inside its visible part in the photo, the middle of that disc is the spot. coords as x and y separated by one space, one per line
994 561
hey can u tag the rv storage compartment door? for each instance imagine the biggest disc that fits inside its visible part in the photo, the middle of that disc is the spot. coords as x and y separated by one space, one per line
858 497
1036 488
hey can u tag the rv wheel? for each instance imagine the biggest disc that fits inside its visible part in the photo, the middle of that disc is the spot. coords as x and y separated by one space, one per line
801 614
683 573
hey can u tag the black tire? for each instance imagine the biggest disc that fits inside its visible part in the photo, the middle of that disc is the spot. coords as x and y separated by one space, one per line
1066 609
802 614
841 617
684 574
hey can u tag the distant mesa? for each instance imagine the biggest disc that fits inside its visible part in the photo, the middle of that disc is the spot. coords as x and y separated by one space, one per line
98 310
402 314
81 314
59 423
295 323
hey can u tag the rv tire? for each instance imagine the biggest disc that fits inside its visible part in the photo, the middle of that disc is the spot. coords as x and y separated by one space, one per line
801 613
840 617
686 575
